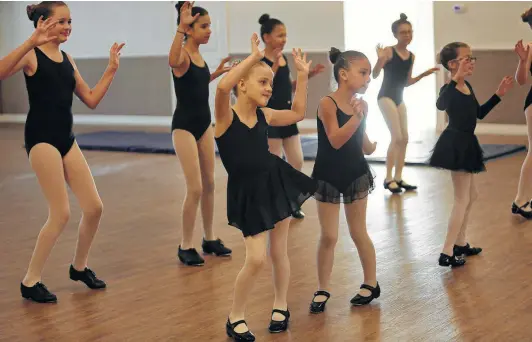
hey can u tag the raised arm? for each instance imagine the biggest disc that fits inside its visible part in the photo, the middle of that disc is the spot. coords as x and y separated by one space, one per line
299 104
447 91
338 136
505 85
384 55
177 59
18 58
525 58
414 80
92 97
222 100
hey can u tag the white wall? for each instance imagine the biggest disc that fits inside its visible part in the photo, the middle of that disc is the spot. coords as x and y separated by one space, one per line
484 24
147 27
311 25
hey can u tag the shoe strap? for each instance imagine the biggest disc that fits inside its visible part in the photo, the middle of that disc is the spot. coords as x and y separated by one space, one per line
322 293
235 324
367 287
284 313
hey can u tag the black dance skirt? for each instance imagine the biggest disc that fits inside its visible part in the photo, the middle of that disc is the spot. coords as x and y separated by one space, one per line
458 151
255 203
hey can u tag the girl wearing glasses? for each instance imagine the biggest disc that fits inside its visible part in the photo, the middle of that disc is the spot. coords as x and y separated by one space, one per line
397 63
458 149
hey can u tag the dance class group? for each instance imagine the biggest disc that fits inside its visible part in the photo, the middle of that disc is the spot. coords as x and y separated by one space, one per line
253 130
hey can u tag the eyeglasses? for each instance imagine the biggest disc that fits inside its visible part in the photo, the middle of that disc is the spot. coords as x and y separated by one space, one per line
467 58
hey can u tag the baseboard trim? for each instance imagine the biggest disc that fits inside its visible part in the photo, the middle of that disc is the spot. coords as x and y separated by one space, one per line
501 129
125 120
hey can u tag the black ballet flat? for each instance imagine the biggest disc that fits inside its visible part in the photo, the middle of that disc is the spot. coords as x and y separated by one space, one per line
230 330
88 277
279 326
520 210
298 214
392 190
466 250
405 186
453 261
319 307
37 293
359 300
190 257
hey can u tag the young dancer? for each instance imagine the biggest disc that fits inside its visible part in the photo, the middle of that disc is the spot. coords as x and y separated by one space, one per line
397 63
263 191
192 134
51 79
457 148
522 204
344 175
273 34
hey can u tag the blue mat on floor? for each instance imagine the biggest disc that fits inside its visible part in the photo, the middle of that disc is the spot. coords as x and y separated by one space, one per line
147 142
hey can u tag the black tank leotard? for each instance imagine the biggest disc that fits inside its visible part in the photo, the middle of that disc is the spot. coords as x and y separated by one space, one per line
192 112
395 77
343 174
262 189
50 93
281 99
528 100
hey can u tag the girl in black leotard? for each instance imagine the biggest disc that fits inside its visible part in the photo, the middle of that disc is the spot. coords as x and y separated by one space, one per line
343 174
397 63
522 204
458 149
191 129
263 191
273 34
52 78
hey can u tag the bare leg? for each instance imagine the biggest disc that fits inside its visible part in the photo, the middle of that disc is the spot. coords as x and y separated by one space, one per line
293 151
80 180
328 215
280 265
276 146
356 219
48 166
187 151
255 257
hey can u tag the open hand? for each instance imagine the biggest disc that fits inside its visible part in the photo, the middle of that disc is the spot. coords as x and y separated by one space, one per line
185 14
41 35
300 60
505 85
318 69
381 52
255 51
521 50
114 56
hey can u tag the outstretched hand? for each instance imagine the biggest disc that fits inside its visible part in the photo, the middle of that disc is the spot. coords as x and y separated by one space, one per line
431 71
42 35
114 56
505 85
255 51
185 14
521 50
300 60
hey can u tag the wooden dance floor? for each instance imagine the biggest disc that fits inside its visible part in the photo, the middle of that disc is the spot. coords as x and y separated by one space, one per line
152 297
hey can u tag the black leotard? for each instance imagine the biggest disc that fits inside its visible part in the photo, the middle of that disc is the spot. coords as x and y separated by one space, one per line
50 92
457 148
343 174
262 189
281 99
528 100
192 112
395 77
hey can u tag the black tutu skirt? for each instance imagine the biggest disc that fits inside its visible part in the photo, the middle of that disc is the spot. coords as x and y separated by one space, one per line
336 188
257 202
458 151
